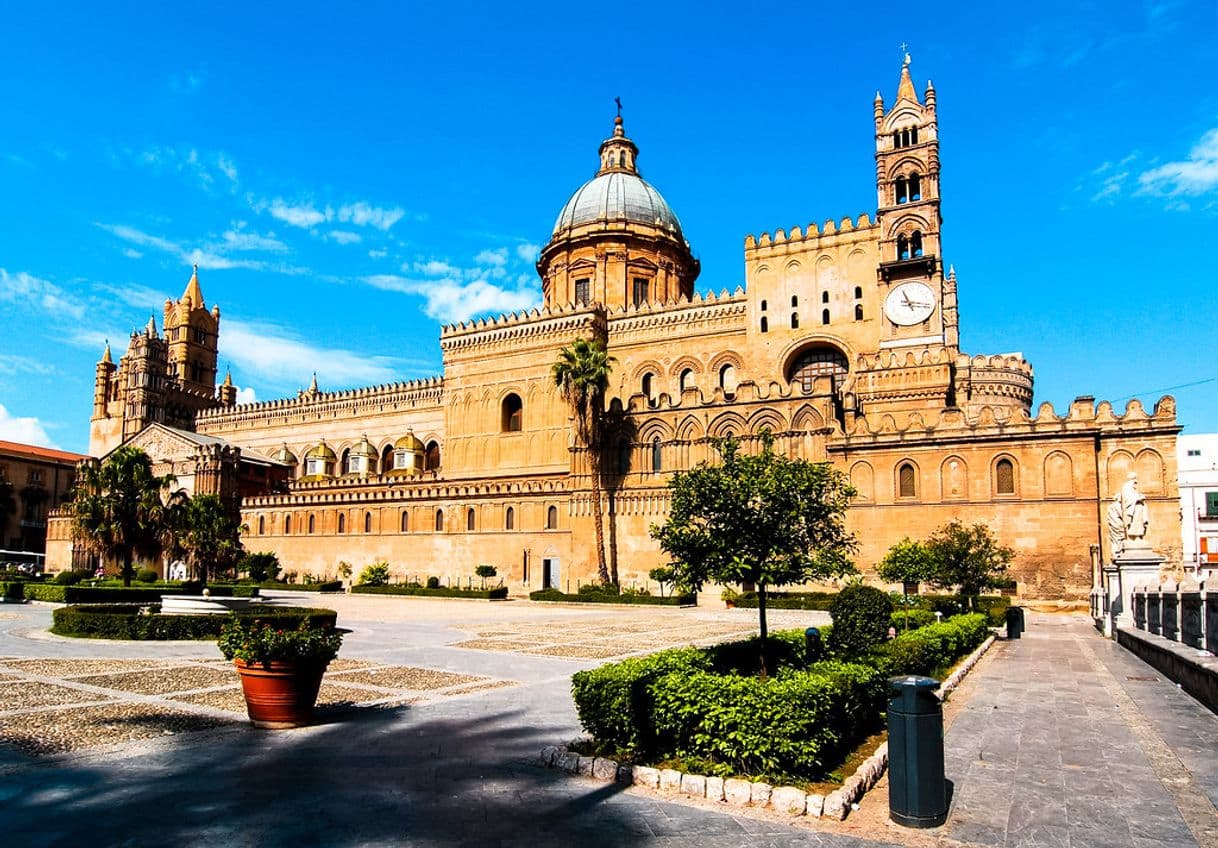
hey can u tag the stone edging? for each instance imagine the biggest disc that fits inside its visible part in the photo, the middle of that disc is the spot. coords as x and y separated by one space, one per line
739 792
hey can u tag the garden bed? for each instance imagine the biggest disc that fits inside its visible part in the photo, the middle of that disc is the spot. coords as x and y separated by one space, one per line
995 606
498 593
610 598
326 586
144 623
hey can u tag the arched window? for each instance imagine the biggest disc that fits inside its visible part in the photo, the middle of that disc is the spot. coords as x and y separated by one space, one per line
765 325
345 461
387 459
824 316
858 292
311 523
687 379
261 524
763 306
915 187
367 522
439 520
657 455
432 459
513 414
794 300
342 523
907 481
404 522
818 361
552 518
794 320
509 519
287 525
896 139
913 136
915 243
902 190
902 247
470 519
728 379
858 312
645 386
1004 477
824 297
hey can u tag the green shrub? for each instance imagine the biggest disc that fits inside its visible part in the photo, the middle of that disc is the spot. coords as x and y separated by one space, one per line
433 582
860 619
321 586
784 649
125 621
788 600
12 590
259 566
146 575
376 574
914 618
71 578
931 649
600 589
995 606
609 598
498 593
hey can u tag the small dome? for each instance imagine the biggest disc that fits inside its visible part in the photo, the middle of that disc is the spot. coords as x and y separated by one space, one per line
409 442
321 451
618 197
285 455
364 448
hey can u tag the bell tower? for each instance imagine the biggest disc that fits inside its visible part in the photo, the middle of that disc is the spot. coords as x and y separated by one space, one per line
919 303
192 333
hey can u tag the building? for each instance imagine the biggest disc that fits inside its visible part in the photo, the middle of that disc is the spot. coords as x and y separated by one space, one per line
844 347
33 482
1197 461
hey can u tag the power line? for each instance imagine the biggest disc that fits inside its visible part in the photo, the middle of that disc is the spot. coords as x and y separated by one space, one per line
1168 389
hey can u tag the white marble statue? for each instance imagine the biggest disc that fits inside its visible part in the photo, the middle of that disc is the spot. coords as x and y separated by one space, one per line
1133 509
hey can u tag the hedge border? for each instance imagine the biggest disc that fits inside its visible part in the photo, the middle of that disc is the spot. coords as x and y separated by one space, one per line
499 593
555 596
125 621
77 594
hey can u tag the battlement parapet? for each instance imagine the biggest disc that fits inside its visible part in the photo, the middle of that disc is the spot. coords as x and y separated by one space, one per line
426 392
568 320
375 489
701 308
830 230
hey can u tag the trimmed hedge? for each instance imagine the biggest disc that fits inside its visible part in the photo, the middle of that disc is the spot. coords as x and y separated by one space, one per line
498 593
931 648
609 598
117 594
12 590
916 618
125 621
328 586
993 605
788 600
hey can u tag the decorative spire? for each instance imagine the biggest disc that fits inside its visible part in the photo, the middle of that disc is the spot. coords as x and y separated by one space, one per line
150 330
106 355
228 377
905 89
618 153
193 293
313 385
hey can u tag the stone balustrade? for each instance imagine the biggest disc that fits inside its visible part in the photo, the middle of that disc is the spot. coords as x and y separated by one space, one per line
1185 612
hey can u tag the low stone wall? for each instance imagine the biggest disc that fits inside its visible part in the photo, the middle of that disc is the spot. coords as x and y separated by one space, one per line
1194 670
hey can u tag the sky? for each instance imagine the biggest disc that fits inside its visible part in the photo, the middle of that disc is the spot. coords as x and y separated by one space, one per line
351 177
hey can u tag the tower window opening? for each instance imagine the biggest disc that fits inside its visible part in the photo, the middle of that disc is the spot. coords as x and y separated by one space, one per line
858 312
645 385
858 292
687 379
915 243
582 291
432 458
915 187
404 523
906 481
509 519
794 301
640 290
312 523
765 325
913 136
342 523
824 316
261 525
824 297
470 519
1004 472
439 520
552 518
896 139
794 320
657 455
902 247
902 190
512 414
287 525
367 522
763 306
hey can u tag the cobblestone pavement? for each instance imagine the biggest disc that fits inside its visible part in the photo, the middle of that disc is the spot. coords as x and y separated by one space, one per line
455 766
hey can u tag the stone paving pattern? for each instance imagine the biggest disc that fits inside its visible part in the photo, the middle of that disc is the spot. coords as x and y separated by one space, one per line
1050 743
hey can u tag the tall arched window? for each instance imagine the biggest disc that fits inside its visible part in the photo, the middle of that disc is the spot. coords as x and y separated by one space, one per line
312 524
794 301
902 247
915 187
915 243
794 320
763 306
1004 477
513 414
824 297
342 523
657 455
439 520
858 312
552 518
858 292
367 522
261 524
824 316
509 519
902 190
765 325
470 519
287 525
645 385
907 481
728 381
432 459
913 136
404 522
687 379
386 459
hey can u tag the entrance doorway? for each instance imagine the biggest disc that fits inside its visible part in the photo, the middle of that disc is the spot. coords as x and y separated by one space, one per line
550 573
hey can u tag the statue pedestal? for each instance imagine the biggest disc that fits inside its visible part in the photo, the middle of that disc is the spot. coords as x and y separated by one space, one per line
1136 565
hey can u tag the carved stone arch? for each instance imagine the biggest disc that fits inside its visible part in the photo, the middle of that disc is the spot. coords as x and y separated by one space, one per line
690 429
953 478
907 224
728 422
907 164
1148 465
652 428
1059 475
862 478
1004 475
1118 466
647 366
903 117
684 362
761 273
727 357
766 419
807 418
793 268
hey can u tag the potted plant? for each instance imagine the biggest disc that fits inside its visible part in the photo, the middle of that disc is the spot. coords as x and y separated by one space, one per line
728 596
280 670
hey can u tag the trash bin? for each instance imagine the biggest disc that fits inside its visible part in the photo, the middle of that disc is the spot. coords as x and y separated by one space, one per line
812 644
917 789
1015 626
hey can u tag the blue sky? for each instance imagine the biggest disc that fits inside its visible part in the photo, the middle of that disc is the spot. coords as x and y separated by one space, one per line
350 178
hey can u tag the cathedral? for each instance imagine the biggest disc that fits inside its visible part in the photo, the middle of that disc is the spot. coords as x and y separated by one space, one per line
844 346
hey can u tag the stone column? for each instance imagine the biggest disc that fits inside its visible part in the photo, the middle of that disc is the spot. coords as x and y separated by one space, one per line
1135 565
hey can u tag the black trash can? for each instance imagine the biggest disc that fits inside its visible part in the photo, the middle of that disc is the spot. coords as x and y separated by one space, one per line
812 644
917 788
1015 625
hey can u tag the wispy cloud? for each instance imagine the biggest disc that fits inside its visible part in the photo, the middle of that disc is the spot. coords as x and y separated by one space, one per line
132 253
449 300
496 258
207 169
281 358
344 237
38 294
239 238
28 431
1106 182
528 251
307 215
12 365
1193 176
212 254
435 268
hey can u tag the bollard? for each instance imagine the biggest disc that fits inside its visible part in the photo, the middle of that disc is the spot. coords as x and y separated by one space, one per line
917 789
812 644
1015 625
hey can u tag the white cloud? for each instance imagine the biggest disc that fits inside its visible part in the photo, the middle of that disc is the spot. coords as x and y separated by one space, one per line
211 256
132 294
528 251
378 253
344 237
27 431
227 167
208 169
11 365
1193 176
240 238
497 258
246 395
43 295
363 214
132 253
304 215
451 300
435 268
279 357
307 215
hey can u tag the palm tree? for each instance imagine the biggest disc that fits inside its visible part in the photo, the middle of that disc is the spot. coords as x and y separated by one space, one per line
118 510
582 376
210 535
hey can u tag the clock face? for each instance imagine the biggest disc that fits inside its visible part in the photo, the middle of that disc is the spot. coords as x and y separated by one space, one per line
909 303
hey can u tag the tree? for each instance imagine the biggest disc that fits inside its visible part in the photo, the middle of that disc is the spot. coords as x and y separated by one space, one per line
663 576
118 510
763 519
485 571
377 574
907 562
210 535
969 558
582 376
265 566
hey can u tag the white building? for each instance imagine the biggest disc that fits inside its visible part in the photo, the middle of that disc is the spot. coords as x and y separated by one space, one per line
1197 463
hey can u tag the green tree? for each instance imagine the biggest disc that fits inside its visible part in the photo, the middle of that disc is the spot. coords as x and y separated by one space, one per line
582 376
762 519
663 576
377 574
263 566
906 562
209 533
485 571
967 558
119 508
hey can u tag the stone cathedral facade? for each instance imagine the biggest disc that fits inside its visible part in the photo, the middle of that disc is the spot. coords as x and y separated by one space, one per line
844 345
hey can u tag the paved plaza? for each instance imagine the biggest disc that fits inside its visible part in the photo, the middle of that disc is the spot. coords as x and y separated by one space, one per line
431 720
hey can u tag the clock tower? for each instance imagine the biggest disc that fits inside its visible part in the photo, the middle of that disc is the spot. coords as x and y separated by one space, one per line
919 304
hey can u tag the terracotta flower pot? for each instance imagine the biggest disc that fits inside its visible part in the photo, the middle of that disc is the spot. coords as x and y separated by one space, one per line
281 696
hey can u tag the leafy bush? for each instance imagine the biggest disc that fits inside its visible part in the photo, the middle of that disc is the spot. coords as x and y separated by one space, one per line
126 621
258 643
433 582
71 578
860 619
932 648
146 575
376 574
600 589
784 649
12 590
498 593
788 600
995 606
610 598
914 618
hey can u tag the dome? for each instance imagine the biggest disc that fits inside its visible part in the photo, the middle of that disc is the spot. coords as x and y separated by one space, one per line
285 455
618 196
409 442
321 451
364 448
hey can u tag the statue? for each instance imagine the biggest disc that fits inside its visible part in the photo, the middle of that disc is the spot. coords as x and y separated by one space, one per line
1116 525
1133 507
